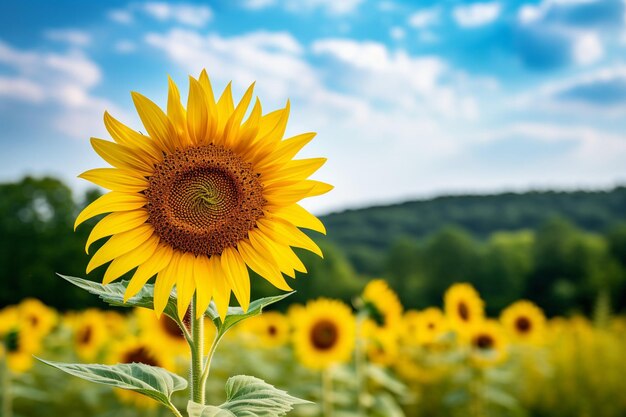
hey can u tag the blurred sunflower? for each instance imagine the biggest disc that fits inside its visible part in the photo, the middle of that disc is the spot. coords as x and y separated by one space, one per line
488 343
270 329
524 321
37 317
162 330
138 350
431 324
410 321
324 334
382 306
463 307
381 346
202 197
90 334
17 344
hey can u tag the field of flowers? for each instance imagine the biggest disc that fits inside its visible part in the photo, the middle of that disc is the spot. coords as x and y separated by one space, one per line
368 359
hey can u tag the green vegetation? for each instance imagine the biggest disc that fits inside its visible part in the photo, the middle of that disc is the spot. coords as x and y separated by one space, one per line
565 251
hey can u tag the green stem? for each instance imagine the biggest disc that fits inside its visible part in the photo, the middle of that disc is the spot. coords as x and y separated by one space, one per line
327 392
174 410
7 397
197 352
359 364
207 363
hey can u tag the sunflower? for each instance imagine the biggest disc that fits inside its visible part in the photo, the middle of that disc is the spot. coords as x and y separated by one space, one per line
381 345
163 330
202 197
382 305
325 334
138 350
90 334
524 321
488 343
17 344
37 317
270 329
431 324
463 306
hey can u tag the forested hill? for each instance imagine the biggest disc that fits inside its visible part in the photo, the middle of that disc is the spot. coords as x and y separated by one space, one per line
365 234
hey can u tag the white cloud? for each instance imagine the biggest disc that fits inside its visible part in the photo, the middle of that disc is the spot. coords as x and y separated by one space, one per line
124 17
397 33
257 4
63 80
125 46
186 14
587 48
73 37
425 18
531 13
331 7
476 14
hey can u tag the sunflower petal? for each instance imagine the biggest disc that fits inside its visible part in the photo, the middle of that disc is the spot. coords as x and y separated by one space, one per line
288 234
164 283
210 100
146 270
110 202
114 223
130 260
121 156
261 266
299 217
120 244
197 113
225 108
155 121
221 288
266 247
124 135
297 170
233 125
204 290
185 283
287 193
249 129
116 179
237 276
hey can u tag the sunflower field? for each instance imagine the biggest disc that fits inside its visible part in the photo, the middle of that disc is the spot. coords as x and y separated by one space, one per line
368 359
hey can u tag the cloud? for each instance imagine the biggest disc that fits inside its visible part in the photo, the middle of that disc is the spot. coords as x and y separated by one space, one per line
397 33
587 48
125 46
22 89
476 14
330 7
186 14
578 13
425 18
73 37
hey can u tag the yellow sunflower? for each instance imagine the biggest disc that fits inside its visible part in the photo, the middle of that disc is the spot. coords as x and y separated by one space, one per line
430 325
381 345
463 306
325 334
270 329
202 197
163 330
37 317
488 343
138 350
524 321
382 305
90 334
17 344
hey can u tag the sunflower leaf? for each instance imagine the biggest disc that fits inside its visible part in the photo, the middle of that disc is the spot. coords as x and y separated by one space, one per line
236 314
113 294
247 396
151 381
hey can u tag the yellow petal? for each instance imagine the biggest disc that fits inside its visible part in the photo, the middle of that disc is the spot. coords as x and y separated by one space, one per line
204 287
115 223
297 170
237 276
285 151
155 121
122 156
176 113
153 265
185 283
113 201
249 129
116 179
124 135
197 113
210 101
262 266
225 108
221 289
120 244
266 247
165 282
288 234
287 193
130 260
233 124
299 217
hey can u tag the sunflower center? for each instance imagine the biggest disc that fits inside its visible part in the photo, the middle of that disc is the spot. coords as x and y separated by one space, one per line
484 342
324 335
272 330
463 311
523 325
204 199
140 355
12 341
34 320
84 335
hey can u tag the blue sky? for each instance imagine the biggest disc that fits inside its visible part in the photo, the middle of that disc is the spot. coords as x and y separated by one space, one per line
409 99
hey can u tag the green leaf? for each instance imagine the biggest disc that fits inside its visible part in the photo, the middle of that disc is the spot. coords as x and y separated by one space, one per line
236 314
247 396
156 383
113 294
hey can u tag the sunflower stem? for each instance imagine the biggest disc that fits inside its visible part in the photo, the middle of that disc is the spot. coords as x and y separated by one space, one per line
327 392
197 351
207 363
360 364
7 393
